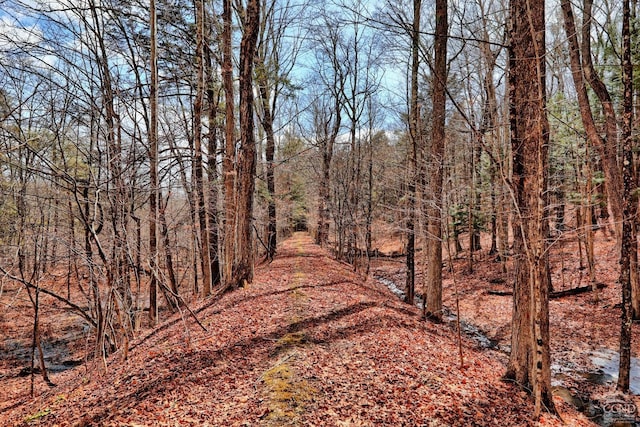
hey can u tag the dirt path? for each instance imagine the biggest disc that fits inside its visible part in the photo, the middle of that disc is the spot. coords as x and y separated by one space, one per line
309 343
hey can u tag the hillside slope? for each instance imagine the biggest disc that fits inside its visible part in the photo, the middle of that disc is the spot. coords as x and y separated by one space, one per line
309 343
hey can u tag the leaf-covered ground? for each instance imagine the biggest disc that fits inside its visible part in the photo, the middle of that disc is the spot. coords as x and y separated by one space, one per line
585 328
308 343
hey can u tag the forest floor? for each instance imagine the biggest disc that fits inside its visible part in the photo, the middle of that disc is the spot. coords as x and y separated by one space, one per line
310 342
584 328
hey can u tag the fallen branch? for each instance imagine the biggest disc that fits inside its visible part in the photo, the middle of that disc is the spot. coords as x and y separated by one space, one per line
557 294
575 291
499 293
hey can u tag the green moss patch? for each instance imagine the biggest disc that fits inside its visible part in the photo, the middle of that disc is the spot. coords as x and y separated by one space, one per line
287 393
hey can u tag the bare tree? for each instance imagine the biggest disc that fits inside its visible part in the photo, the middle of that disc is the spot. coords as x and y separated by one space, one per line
153 164
415 134
583 72
433 281
228 164
198 167
529 363
276 56
242 272
213 92
629 243
327 109
326 124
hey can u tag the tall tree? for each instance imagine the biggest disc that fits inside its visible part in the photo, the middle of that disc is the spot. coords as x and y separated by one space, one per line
153 164
415 135
198 168
326 124
118 267
529 362
358 67
243 267
490 134
228 167
582 71
276 56
270 150
213 98
433 284
609 150
327 109
629 241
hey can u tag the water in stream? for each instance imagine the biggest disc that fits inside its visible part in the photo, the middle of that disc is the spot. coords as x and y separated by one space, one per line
57 356
606 362
466 328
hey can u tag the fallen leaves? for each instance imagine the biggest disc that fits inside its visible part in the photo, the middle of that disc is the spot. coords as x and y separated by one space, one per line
309 343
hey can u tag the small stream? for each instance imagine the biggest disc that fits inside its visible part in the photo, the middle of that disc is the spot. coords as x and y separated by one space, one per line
400 293
57 356
608 361
467 329
610 412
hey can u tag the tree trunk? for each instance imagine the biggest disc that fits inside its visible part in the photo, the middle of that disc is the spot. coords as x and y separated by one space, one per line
153 167
629 204
635 273
117 266
529 363
324 196
198 169
212 167
433 296
270 149
369 216
415 135
168 254
588 226
188 189
243 268
494 210
475 199
328 132
582 69
230 146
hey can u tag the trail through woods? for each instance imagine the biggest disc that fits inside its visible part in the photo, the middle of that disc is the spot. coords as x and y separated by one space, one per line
308 343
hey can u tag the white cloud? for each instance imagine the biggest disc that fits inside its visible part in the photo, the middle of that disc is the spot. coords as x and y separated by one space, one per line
14 33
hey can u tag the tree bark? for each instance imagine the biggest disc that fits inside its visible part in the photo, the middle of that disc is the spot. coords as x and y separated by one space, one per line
529 362
415 138
230 146
629 204
433 296
153 166
212 159
198 169
242 273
